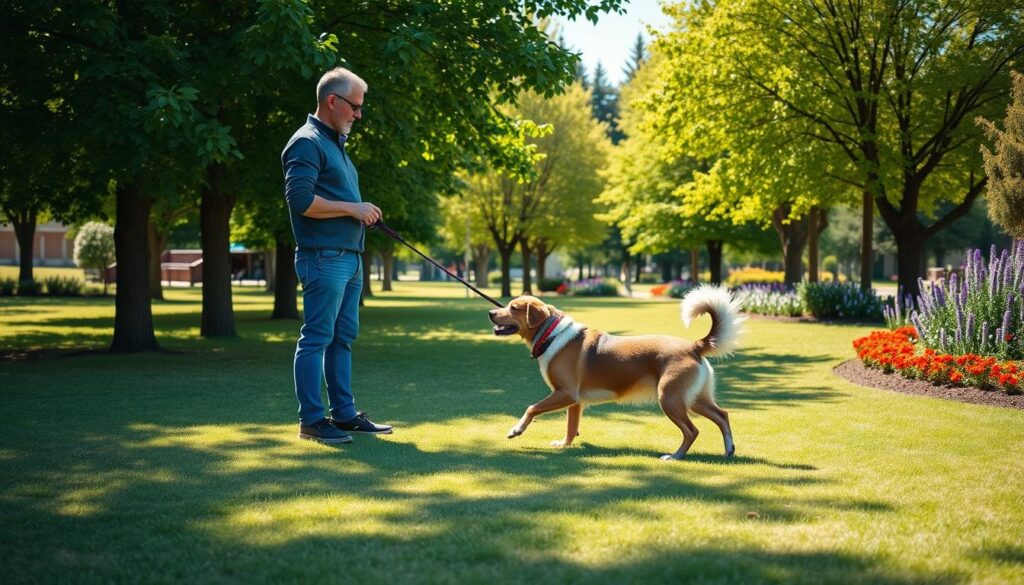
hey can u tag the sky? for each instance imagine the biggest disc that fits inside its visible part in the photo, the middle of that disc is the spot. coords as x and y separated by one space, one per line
611 40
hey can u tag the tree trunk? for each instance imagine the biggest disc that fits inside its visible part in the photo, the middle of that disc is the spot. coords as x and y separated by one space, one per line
133 312
524 247
715 260
694 265
506 274
481 257
866 234
157 241
639 268
25 232
812 244
909 265
387 255
271 256
793 237
218 318
285 280
543 251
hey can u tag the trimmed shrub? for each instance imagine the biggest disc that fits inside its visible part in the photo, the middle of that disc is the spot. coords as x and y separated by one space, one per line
7 286
94 248
64 286
840 301
549 284
595 287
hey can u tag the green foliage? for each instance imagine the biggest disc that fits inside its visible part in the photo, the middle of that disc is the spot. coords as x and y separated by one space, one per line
7 286
1005 167
29 288
64 286
594 287
840 301
94 246
550 284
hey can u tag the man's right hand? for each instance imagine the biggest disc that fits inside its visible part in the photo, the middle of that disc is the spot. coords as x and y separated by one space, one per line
367 213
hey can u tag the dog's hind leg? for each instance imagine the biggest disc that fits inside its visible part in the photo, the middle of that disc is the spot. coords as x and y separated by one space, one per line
572 429
672 393
554 401
705 406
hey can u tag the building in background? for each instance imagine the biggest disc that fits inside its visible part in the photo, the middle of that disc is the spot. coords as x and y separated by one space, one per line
51 246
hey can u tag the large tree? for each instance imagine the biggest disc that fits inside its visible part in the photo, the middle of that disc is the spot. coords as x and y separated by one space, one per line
886 86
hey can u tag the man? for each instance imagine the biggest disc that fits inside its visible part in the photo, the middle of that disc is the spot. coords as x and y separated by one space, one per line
329 220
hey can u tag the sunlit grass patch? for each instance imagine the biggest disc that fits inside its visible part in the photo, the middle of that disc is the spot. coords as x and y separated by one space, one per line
185 465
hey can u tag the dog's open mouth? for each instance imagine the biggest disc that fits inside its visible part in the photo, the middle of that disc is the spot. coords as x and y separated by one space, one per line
505 329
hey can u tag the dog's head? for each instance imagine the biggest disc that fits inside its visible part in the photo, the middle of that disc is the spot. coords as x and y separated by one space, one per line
523 315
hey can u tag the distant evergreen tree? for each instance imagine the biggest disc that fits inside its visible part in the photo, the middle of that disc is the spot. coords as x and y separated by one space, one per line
637 57
605 103
580 74
1005 166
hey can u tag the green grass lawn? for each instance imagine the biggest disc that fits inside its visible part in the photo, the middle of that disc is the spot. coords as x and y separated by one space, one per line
184 466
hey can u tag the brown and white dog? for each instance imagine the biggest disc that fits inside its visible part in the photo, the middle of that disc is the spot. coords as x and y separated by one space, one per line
586 366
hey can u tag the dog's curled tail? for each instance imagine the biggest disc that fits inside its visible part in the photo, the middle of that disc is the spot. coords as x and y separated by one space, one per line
726 322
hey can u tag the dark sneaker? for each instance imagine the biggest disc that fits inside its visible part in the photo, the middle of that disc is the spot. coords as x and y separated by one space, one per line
361 424
324 432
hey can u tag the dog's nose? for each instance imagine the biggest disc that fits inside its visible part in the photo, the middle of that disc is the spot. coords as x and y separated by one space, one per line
492 312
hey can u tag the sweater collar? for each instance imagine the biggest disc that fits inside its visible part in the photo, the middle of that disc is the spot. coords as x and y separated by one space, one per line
323 127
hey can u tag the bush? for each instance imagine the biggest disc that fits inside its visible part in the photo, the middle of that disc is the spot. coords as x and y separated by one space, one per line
7 286
29 288
64 286
770 299
649 278
979 314
840 301
94 248
549 284
595 287
753 276
678 289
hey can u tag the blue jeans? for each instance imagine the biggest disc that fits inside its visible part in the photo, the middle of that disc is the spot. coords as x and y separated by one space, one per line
332 281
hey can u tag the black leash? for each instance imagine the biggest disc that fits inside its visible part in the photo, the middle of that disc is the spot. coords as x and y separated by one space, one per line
379 226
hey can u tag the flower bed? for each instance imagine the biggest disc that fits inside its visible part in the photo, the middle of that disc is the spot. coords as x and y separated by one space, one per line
898 351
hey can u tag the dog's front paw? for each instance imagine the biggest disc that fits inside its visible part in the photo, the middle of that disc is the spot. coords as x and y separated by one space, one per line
514 432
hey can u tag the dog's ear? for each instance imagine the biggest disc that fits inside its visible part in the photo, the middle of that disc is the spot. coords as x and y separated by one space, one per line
534 315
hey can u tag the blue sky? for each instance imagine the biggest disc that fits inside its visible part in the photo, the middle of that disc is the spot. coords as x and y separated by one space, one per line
611 40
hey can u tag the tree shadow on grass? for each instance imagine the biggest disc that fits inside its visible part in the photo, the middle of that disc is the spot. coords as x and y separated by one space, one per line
188 505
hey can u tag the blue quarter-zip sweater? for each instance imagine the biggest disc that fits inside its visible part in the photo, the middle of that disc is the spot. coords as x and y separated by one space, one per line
315 163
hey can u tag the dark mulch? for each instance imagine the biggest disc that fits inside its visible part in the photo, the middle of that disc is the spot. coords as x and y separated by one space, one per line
855 371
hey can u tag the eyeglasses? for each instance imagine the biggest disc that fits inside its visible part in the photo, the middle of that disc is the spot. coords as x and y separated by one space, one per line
355 107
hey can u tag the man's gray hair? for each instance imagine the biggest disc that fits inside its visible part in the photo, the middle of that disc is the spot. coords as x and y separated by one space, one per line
338 80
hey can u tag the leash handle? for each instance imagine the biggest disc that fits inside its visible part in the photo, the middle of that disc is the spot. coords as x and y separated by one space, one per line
383 228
